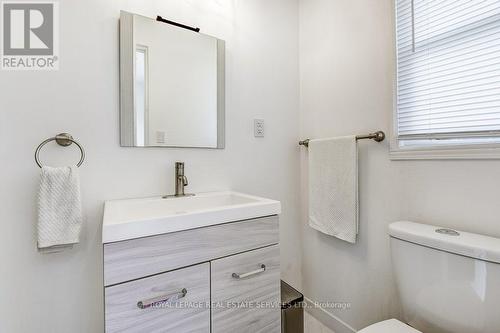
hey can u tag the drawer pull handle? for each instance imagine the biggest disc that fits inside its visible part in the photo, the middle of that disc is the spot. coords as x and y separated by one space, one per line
161 299
262 269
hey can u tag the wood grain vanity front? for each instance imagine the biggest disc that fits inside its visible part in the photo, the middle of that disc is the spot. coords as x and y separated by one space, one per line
132 259
131 307
218 265
246 292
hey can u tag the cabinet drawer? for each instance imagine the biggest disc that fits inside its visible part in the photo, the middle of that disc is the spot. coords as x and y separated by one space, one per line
131 307
133 259
246 292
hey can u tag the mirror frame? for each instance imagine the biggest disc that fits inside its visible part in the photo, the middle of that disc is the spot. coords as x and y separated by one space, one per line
127 80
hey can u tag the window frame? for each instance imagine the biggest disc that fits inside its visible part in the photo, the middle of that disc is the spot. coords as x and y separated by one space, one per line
430 152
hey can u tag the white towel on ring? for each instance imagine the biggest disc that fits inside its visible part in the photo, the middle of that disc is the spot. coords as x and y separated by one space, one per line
59 209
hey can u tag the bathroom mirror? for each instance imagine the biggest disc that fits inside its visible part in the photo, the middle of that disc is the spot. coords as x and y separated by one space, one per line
171 85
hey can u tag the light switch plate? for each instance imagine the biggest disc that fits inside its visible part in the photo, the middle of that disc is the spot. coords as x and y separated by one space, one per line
258 128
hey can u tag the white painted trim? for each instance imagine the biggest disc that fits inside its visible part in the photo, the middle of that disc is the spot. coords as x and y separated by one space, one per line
326 318
460 152
393 142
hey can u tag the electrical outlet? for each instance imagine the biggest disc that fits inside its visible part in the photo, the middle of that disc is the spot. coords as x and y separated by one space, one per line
258 128
160 137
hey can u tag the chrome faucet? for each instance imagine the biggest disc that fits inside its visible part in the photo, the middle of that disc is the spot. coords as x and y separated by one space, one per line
181 181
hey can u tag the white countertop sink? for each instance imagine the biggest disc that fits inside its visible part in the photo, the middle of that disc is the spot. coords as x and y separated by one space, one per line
134 218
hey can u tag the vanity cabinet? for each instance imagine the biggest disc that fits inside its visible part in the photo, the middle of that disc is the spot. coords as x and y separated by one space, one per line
220 278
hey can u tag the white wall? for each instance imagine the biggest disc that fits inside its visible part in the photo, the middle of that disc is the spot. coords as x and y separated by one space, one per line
345 88
346 70
63 292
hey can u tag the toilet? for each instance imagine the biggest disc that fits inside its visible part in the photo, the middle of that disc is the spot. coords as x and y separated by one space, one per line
448 281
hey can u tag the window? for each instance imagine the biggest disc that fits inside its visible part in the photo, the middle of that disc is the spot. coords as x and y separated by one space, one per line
141 122
448 74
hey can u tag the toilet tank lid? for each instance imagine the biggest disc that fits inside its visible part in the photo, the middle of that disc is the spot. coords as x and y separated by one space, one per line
464 243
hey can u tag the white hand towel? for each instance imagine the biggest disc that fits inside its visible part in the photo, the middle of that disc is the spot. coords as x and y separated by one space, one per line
333 187
59 209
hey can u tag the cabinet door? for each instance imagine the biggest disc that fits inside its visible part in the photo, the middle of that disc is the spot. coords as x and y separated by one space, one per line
246 292
176 301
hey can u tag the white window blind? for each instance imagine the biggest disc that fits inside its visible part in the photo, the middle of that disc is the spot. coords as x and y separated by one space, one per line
448 71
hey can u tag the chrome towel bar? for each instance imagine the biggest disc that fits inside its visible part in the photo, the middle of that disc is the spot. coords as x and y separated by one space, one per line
64 140
377 136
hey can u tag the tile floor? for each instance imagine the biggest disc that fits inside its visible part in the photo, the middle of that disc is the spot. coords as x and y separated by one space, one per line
312 325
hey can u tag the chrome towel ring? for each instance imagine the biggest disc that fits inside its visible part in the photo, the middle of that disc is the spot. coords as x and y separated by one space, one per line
62 139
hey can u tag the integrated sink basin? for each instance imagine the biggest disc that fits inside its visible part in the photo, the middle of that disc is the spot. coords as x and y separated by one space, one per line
135 218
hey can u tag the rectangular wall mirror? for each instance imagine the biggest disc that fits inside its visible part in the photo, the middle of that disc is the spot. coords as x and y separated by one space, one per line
171 85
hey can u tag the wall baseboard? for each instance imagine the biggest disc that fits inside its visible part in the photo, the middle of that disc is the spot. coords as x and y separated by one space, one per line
326 318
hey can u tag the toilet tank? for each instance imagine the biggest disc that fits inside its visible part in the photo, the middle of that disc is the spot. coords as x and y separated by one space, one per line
448 281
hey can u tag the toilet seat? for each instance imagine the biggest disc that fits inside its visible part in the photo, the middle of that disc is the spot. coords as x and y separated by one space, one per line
389 326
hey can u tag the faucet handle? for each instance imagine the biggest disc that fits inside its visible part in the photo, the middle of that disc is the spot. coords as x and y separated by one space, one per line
184 180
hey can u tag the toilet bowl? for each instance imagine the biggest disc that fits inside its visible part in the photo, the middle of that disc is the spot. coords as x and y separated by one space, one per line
389 326
447 281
